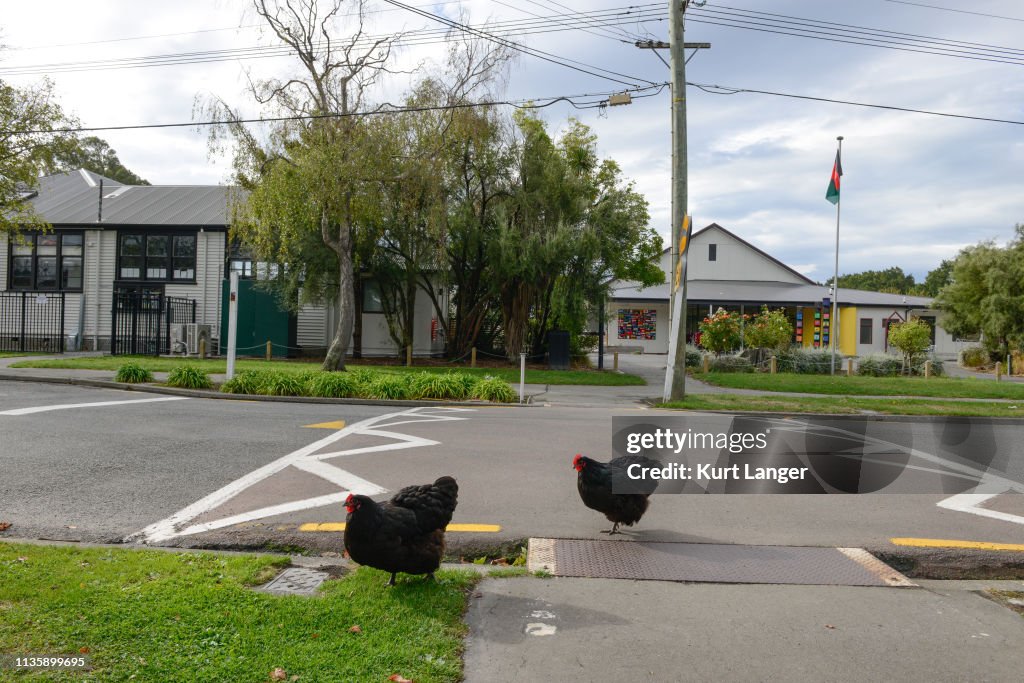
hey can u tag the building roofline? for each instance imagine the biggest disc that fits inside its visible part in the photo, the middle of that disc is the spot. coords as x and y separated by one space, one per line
759 251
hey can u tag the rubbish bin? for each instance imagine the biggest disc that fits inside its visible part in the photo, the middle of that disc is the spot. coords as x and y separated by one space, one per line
558 350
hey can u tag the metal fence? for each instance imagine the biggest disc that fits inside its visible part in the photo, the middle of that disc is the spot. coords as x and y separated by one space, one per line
32 321
141 321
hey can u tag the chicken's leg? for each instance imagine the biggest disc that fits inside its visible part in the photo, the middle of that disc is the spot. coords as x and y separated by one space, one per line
613 530
392 581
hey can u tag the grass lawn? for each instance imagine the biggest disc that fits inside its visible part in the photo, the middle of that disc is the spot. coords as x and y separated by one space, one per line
219 365
941 387
12 354
160 616
845 405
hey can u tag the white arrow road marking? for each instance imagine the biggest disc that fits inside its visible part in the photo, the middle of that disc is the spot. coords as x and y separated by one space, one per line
961 502
308 460
99 404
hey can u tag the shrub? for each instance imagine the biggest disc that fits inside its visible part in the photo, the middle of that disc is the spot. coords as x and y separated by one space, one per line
731 364
804 361
282 384
974 356
188 377
879 365
768 330
332 385
494 389
720 332
387 386
133 373
449 385
694 356
245 382
912 339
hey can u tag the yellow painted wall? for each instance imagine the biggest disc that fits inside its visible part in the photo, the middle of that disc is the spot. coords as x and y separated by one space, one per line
809 327
848 330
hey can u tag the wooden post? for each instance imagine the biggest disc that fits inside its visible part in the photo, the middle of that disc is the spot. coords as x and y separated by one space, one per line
999 371
408 356
849 367
472 357
775 365
707 364
615 361
202 348
270 350
927 369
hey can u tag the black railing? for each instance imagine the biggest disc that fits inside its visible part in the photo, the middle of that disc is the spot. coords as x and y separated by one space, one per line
141 321
32 321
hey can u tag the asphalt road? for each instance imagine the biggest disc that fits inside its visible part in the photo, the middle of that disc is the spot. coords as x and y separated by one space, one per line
222 473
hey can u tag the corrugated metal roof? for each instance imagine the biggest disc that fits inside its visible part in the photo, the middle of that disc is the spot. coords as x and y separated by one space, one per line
73 199
736 291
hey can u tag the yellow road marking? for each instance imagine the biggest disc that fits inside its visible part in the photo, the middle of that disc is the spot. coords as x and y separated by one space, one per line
337 424
340 526
942 543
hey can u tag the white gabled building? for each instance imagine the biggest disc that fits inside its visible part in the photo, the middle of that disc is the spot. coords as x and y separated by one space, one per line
725 271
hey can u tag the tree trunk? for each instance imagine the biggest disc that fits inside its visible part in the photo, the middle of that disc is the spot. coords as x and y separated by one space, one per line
335 359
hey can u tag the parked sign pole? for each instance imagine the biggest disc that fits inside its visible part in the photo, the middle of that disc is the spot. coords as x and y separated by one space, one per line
232 323
522 376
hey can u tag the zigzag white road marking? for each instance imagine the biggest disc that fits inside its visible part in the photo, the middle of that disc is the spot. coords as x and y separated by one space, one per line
308 460
971 504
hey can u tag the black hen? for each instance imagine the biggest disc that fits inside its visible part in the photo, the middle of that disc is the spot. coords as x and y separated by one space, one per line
405 534
595 481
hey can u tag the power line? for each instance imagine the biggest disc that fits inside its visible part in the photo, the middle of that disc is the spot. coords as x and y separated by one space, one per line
528 103
417 38
950 9
540 54
726 90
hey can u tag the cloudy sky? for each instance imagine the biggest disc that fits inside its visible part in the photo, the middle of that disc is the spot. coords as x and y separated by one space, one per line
916 188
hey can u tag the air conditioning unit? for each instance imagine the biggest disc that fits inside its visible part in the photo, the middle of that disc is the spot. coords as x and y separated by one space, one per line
193 333
179 338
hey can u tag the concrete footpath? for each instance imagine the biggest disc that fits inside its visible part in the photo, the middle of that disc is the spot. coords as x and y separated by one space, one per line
563 629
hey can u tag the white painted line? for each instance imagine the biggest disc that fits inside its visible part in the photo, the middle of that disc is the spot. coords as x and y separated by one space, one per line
99 404
971 504
306 459
343 479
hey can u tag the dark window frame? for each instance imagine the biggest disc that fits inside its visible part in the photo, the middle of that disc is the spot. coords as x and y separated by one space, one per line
168 262
371 286
712 252
63 255
867 325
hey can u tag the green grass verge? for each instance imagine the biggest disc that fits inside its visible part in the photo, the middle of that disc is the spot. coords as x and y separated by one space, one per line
215 366
159 616
936 387
13 354
844 405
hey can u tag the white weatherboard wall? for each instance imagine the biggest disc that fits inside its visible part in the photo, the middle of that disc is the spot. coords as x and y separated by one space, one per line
661 331
734 261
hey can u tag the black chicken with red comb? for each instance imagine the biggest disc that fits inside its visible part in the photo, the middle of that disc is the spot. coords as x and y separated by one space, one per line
405 534
596 482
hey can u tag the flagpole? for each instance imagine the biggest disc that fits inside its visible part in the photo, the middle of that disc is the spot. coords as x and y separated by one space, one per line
835 279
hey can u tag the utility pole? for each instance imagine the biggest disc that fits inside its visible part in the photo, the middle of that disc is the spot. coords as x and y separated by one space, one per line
675 370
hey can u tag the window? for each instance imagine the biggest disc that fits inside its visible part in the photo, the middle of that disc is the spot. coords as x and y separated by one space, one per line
712 252
865 330
156 257
47 262
242 266
372 302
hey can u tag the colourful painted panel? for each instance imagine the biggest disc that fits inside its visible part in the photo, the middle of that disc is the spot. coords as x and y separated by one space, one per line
637 323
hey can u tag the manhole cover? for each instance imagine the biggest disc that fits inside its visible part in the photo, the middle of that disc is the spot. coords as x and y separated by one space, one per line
710 563
295 581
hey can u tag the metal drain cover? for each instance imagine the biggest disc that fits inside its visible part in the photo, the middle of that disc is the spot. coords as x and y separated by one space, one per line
710 563
295 581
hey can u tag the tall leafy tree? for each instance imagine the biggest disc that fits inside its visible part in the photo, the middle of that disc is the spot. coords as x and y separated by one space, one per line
96 155
891 280
986 294
28 147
